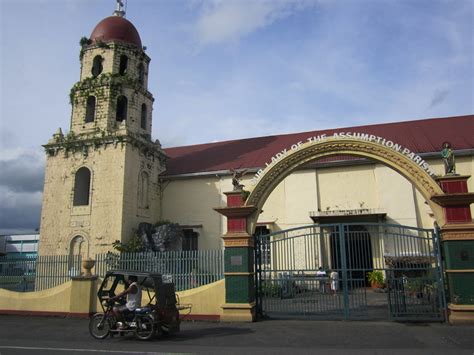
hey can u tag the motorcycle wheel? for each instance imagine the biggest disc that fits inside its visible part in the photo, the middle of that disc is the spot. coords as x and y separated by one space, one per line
145 328
99 327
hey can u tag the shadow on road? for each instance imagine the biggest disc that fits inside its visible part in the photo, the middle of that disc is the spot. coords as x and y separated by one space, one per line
187 334
199 333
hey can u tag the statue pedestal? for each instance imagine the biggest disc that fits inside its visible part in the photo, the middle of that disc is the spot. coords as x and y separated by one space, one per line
457 239
456 199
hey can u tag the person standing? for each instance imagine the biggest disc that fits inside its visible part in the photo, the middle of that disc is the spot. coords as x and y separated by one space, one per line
334 275
321 274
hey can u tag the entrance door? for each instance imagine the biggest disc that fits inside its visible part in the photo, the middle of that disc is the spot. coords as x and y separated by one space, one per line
288 283
351 257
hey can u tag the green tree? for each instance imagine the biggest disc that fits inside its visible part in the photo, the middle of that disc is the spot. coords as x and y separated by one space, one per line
134 245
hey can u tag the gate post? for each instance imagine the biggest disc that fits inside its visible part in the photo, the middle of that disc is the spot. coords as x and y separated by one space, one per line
345 282
457 239
238 260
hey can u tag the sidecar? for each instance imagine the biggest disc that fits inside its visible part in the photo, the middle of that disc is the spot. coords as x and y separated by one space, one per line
161 303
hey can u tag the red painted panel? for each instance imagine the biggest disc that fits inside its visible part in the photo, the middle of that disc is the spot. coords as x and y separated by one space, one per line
234 200
236 224
458 214
454 186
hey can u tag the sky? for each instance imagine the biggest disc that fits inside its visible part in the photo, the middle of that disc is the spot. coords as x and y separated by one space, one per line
230 69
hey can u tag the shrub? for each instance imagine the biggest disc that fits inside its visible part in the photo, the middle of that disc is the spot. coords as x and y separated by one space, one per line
375 278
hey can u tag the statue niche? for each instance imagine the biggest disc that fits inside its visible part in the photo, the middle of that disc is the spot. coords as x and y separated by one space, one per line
165 237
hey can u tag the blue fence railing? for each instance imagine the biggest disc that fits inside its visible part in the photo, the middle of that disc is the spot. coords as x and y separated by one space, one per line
188 269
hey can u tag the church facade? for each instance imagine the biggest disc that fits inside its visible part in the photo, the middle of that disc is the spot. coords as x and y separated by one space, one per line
338 189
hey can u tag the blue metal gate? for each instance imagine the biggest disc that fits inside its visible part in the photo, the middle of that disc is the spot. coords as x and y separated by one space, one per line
325 271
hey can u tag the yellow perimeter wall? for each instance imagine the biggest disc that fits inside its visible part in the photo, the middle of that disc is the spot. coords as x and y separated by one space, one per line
79 298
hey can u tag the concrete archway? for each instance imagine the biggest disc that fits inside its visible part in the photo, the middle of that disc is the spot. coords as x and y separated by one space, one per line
302 154
450 208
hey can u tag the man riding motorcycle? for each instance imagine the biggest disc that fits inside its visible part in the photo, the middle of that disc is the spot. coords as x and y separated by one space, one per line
133 294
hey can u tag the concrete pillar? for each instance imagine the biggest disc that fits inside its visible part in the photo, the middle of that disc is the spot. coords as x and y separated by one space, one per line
238 261
83 301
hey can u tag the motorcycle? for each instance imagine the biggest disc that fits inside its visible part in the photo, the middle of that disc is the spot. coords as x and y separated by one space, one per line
159 316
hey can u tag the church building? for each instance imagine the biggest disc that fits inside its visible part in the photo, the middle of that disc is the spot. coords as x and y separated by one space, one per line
407 180
107 175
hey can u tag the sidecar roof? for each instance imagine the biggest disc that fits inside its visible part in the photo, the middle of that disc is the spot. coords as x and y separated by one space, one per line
150 280
139 274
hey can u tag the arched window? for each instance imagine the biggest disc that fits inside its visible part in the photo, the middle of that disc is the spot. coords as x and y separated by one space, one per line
82 184
122 104
123 64
143 117
90 109
143 181
97 66
141 74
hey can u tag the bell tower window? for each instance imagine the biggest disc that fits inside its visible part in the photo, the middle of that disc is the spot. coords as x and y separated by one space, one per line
90 109
82 184
97 66
123 65
143 117
141 74
122 104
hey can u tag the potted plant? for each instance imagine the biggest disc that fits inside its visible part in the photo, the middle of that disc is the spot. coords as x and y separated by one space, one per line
375 278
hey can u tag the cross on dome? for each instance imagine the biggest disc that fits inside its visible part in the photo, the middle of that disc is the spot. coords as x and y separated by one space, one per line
119 10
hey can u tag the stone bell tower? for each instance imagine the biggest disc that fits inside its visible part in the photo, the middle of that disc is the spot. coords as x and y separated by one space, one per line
101 178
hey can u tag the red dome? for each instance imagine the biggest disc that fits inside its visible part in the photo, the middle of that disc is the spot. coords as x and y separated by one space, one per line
116 28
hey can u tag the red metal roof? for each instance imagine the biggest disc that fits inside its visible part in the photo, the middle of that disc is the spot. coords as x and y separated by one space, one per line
116 28
421 136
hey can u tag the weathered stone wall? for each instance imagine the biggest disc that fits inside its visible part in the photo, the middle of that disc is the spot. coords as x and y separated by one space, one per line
100 223
111 53
136 162
113 211
116 153
106 88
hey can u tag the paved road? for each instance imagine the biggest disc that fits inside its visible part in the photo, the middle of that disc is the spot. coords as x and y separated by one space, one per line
40 335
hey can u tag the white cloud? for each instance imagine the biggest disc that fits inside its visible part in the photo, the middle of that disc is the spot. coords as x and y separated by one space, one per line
229 20
15 153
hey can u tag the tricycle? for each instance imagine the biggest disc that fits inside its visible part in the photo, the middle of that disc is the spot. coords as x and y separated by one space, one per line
159 316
